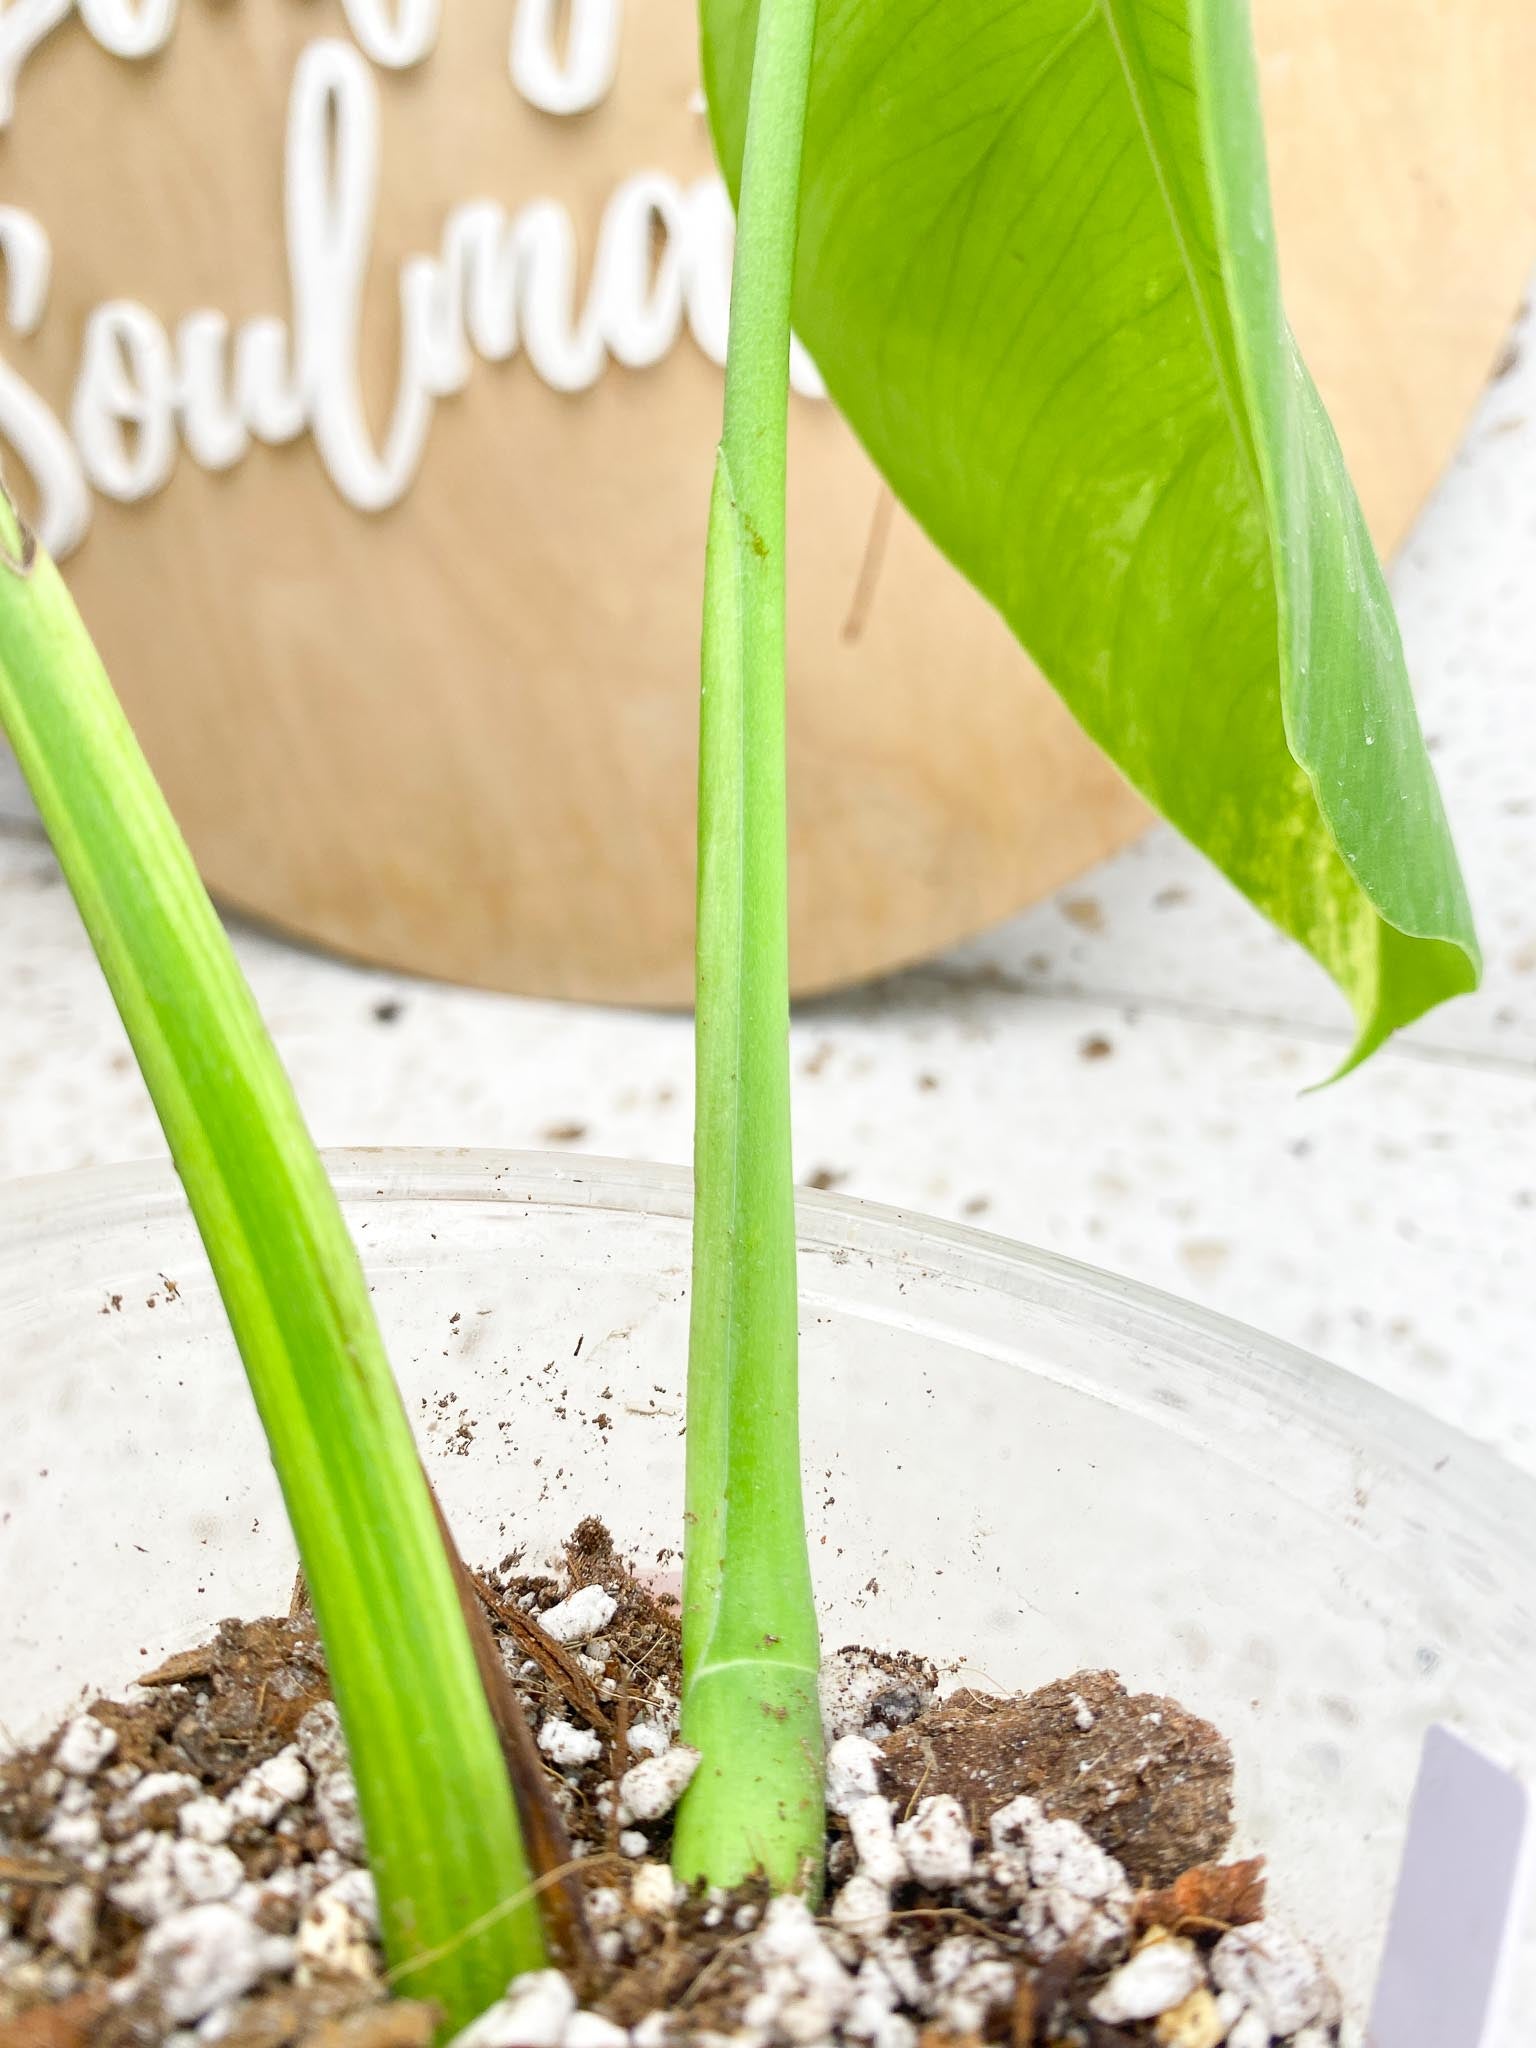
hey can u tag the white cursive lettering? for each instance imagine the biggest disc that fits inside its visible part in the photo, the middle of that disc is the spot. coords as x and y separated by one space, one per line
499 282
44 449
584 76
23 25
124 412
130 28
395 33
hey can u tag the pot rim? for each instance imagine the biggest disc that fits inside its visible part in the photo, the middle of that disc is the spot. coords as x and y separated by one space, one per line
1335 1403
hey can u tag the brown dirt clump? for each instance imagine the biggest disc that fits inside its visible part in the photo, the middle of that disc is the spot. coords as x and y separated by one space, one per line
1151 1782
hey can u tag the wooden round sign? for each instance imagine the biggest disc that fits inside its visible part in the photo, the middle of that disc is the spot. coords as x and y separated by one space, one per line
363 360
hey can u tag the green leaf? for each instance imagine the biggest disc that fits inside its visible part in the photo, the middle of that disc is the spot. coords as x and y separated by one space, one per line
1037 270
750 1647
433 1789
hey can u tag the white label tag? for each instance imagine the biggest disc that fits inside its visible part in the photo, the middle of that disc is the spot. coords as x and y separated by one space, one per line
1457 1909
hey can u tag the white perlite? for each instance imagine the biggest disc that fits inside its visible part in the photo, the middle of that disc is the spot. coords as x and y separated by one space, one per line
204 1957
567 1748
152 1892
591 2030
75 1832
969 1983
1012 1826
853 1772
320 1741
1249 2030
586 1613
886 1978
357 1889
336 1929
605 1905
71 1922
653 1786
889 2030
900 1970
1156 1979
534 2014
204 1872
648 1738
206 1820
336 1804
863 1908
324 1749
263 1792
1276 1977
936 1842
856 1685
805 1989
872 1827
1071 1888
653 1891
152 1788
84 1746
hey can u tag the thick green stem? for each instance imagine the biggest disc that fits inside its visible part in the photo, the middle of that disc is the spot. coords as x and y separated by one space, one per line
437 1808
750 1651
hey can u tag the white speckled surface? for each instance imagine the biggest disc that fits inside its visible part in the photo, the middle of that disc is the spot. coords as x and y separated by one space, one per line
1115 1075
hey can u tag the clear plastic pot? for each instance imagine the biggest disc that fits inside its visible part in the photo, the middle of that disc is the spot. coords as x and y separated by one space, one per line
1013 1463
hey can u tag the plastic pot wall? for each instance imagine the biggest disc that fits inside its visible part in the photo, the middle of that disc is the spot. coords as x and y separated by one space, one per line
1017 1465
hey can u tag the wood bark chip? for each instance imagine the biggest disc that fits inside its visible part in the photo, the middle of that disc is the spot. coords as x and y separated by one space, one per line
400 2024
26 1870
1051 1983
544 1835
1026 2015
559 1664
1210 1896
73 2024
177 1670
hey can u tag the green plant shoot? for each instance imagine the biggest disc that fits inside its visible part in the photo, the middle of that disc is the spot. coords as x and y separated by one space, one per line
750 1649
436 1802
1037 270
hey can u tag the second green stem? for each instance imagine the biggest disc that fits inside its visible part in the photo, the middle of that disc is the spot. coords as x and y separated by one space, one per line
750 1647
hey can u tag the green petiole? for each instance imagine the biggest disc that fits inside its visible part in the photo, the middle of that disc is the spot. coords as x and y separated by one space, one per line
436 1801
750 1646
